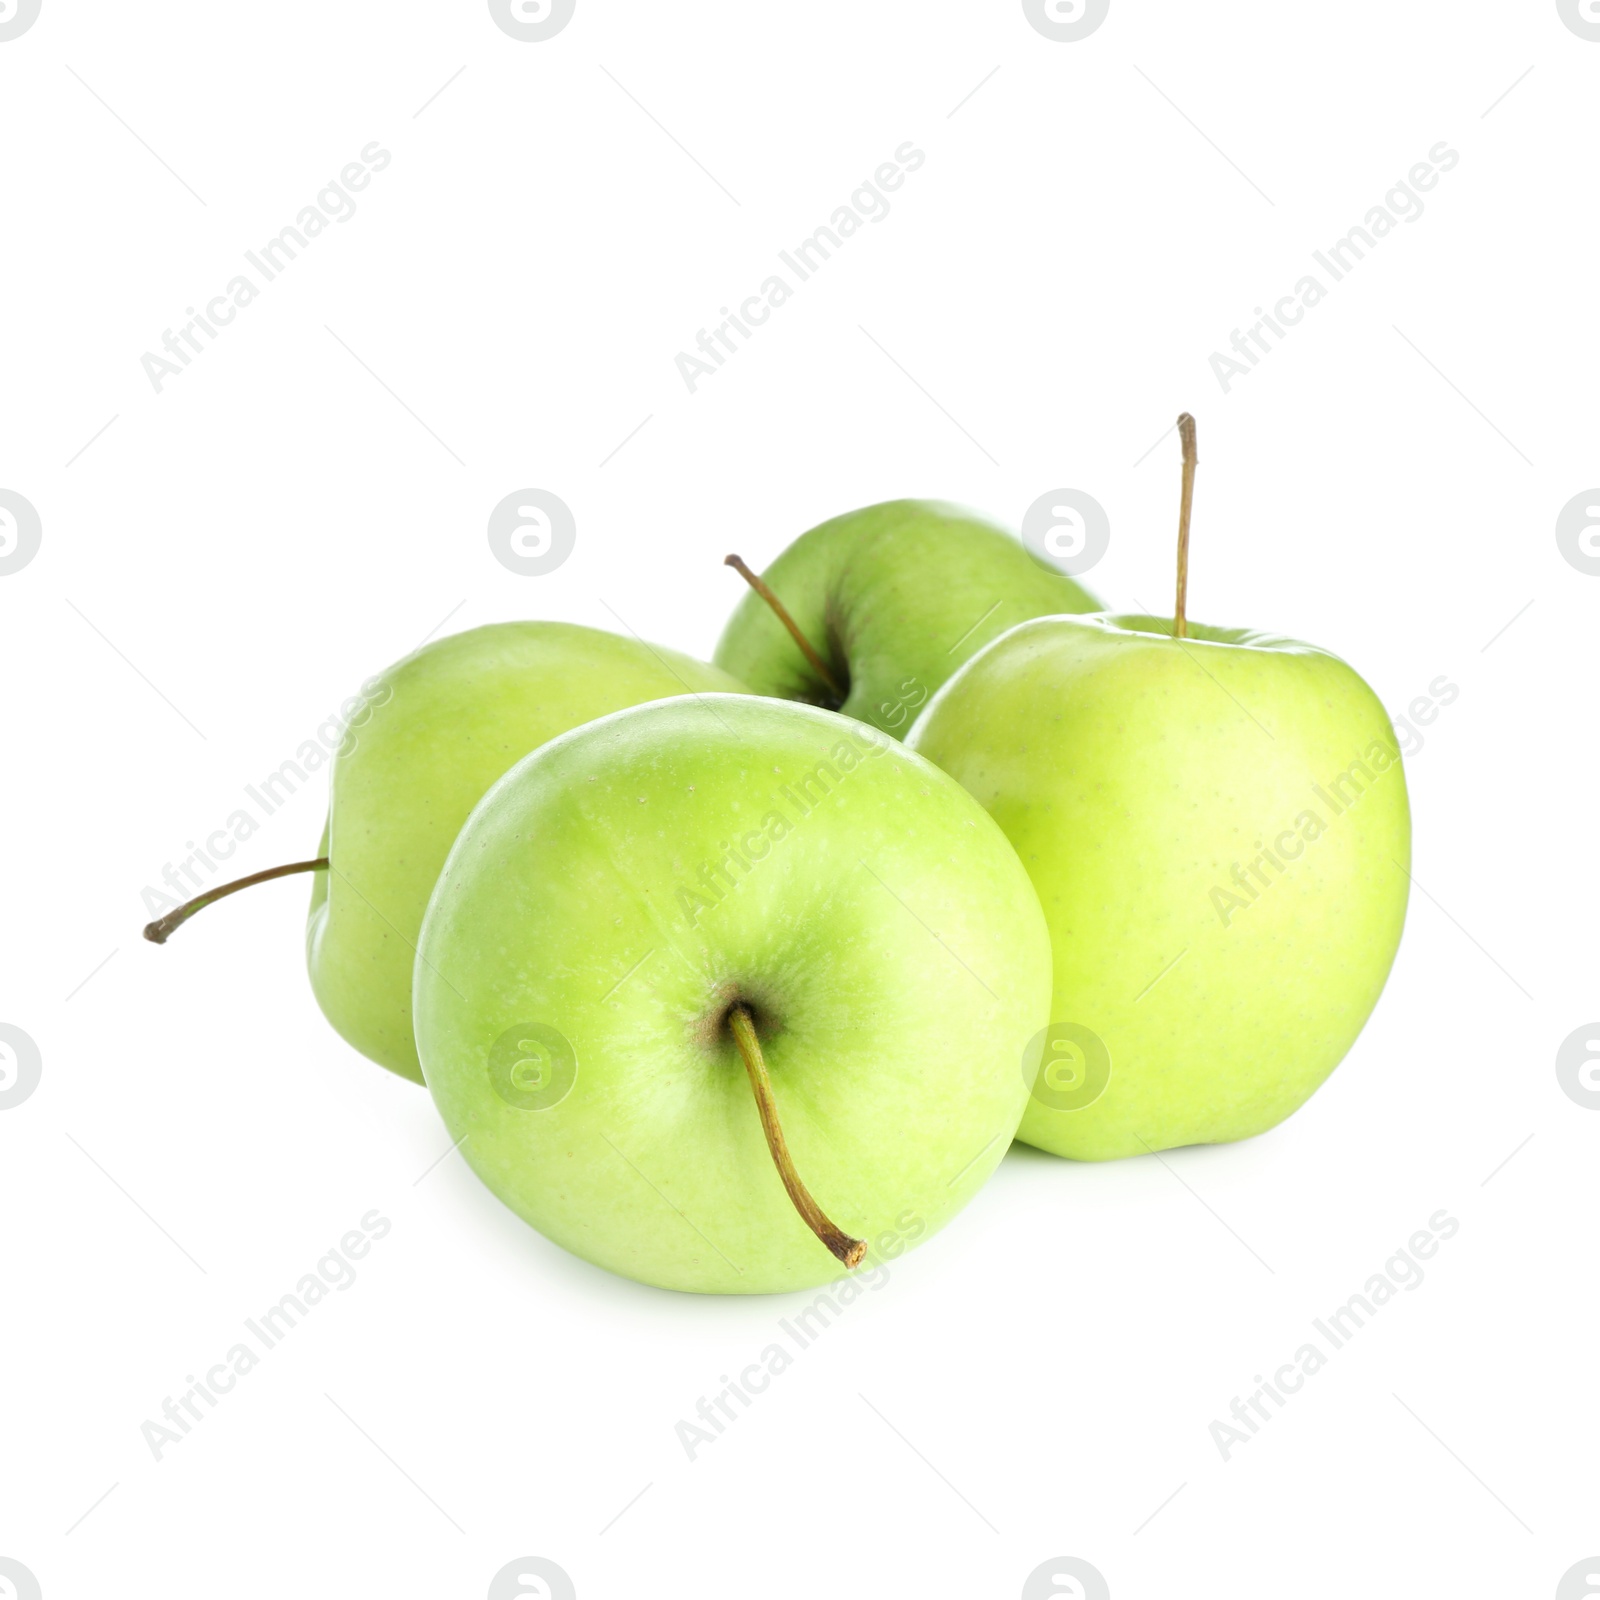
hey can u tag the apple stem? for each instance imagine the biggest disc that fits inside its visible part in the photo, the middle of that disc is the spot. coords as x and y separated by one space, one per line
849 1251
1180 622
161 929
780 611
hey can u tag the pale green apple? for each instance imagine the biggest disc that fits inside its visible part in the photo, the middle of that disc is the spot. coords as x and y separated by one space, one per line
1219 833
614 900
894 598
433 732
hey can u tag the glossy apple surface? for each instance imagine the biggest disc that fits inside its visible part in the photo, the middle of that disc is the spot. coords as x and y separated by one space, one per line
894 598
435 731
1219 833
620 891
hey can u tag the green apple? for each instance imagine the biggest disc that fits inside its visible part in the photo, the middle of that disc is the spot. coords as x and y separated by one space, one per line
433 732
893 598
699 952
1218 829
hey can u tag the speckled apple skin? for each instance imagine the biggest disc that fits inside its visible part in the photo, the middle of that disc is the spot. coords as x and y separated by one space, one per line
886 938
430 735
1131 771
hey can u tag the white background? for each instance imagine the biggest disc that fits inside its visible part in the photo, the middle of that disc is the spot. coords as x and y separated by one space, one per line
227 560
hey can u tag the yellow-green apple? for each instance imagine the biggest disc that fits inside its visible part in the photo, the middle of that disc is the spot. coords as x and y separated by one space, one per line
1216 822
699 953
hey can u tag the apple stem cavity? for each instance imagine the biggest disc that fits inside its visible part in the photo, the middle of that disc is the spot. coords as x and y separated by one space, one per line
159 931
1180 622
850 1251
781 612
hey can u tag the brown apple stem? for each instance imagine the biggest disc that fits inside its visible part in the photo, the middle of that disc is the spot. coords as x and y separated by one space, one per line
849 1251
780 611
161 929
1180 622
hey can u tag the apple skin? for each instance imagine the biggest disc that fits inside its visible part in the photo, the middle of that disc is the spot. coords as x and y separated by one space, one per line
435 732
894 598
888 943
1132 771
